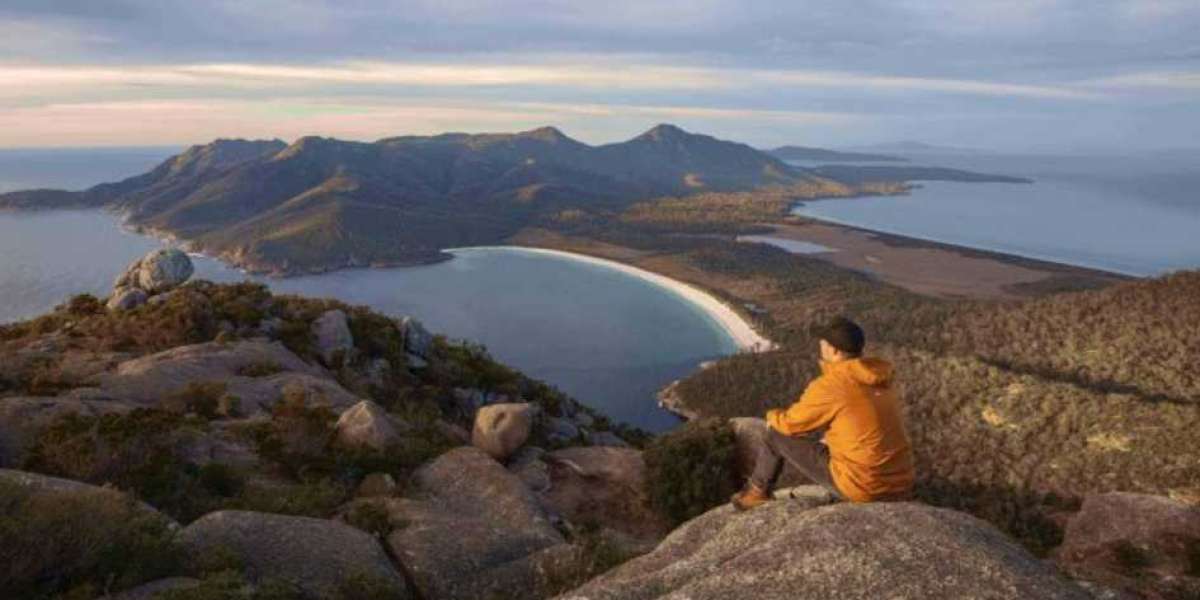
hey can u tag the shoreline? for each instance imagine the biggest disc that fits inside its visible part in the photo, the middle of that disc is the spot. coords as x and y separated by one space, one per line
903 239
935 268
743 334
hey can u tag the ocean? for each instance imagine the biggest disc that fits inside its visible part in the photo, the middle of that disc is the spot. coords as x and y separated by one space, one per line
1137 215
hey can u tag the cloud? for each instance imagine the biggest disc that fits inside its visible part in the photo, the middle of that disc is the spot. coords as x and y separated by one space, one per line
596 73
998 64
1168 80
922 84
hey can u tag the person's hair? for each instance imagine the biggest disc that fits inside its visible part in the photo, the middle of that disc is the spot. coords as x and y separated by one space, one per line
843 334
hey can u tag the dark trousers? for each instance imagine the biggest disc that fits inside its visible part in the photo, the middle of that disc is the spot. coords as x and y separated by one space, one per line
806 453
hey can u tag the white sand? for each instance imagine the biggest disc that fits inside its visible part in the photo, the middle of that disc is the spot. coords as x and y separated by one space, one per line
746 338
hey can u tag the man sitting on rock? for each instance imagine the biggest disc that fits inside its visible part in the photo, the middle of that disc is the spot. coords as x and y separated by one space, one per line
865 456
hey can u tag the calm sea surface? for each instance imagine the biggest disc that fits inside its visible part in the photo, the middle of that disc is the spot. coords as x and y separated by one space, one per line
1137 215
605 337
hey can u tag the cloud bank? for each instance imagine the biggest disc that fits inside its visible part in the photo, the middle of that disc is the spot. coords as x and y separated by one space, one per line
1101 74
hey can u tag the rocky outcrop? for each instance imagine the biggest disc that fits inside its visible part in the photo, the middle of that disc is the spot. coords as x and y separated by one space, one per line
790 550
1138 542
318 557
37 482
149 380
473 530
376 485
417 339
529 466
157 272
602 485
368 425
335 343
500 429
562 430
127 298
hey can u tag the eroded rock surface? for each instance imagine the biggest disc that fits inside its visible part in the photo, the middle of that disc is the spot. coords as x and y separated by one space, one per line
368 425
335 343
149 380
788 550
602 485
318 557
1140 542
158 272
472 530
500 429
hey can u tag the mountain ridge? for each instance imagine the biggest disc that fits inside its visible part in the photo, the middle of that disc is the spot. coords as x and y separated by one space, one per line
321 203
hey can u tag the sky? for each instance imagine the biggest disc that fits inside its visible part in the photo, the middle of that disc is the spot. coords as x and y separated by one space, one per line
1013 75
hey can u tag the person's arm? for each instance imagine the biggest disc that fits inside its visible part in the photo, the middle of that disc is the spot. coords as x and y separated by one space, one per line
815 409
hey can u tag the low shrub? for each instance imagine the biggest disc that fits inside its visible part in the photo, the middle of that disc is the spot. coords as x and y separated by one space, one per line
317 497
80 543
202 398
221 480
139 452
691 469
135 451
298 436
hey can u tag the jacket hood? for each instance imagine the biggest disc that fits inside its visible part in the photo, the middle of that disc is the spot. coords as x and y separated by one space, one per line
866 371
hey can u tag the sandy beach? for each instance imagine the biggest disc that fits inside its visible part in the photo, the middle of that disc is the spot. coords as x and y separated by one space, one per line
742 333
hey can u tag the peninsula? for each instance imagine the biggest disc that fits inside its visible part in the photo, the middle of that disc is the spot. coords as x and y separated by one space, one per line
320 204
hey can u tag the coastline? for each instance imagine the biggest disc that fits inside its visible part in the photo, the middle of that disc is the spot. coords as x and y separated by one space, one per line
935 268
1016 257
747 338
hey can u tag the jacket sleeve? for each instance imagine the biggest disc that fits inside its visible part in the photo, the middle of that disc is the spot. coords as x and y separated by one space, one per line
815 409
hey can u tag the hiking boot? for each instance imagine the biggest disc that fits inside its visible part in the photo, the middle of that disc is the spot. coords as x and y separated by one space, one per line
750 497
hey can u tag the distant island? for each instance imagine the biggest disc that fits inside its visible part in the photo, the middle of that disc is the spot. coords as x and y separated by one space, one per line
320 204
826 155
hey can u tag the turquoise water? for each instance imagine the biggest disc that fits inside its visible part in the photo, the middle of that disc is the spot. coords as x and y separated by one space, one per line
605 337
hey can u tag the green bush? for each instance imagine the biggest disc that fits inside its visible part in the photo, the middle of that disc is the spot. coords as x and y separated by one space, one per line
79 542
691 469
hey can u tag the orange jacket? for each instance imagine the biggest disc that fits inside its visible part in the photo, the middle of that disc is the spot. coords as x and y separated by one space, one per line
853 401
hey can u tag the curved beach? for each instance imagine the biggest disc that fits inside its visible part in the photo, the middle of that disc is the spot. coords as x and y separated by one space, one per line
742 333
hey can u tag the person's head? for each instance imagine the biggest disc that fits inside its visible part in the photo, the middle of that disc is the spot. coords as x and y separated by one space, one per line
840 339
